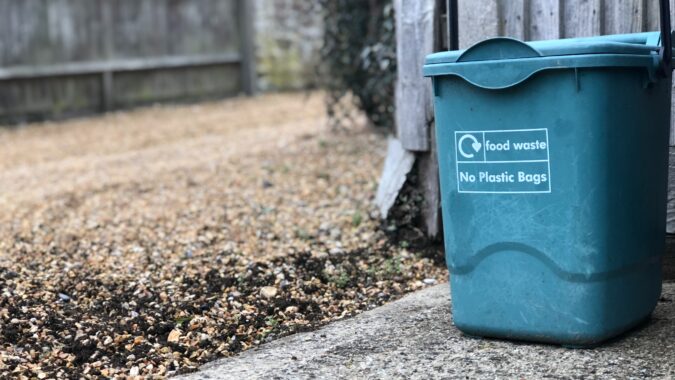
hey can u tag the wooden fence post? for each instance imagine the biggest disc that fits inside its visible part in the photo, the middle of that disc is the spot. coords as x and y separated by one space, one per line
107 85
415 31
245 9
417 34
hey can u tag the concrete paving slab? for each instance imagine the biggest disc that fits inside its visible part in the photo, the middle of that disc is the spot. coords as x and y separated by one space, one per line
414 338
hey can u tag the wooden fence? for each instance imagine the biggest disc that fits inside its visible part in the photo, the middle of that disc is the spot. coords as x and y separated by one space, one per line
60 58
419 32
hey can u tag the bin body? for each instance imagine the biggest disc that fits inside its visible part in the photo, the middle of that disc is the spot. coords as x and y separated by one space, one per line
553 187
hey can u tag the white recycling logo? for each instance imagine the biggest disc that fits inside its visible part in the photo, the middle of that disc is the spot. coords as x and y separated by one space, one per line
475 145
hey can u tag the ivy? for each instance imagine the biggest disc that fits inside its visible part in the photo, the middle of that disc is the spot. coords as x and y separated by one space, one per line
359 60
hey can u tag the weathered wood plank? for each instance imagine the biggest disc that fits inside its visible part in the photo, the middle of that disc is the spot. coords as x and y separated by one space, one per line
670 214
428 177
38 31
478 20
672 117
107 77
582 18
514 18
624 16
107 91
146 87
415 31
652 14
397 165
669 259
85 68
545 19
245 11
29 100
141 28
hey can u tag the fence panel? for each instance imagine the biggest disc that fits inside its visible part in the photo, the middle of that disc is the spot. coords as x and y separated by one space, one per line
60 58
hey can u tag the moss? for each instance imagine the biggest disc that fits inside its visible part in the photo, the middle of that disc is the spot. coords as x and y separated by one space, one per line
281 65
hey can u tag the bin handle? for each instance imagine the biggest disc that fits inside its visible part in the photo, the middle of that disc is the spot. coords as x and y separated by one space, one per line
666 44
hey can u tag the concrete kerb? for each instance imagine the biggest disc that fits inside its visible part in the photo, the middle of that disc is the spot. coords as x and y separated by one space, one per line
414 338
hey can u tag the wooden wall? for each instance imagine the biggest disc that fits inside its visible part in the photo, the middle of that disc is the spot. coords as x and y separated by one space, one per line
66 57
551 19
522 19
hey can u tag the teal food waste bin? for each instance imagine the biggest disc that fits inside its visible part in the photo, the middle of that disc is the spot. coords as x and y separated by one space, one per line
553 167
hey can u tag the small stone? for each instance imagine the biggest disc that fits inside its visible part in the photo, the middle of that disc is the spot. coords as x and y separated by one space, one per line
329 268
10 275
235 294
320 255
268 292
42 375
174 335
108 340
291 310
429 281
335 251
64 297
133 371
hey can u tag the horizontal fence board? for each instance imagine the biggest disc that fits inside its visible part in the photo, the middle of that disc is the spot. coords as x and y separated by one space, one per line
32 100
208 82
84 68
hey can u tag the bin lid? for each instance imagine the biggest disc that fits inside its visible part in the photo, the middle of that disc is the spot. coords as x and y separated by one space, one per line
504 62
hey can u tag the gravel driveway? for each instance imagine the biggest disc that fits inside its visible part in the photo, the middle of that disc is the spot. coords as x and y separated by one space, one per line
152 241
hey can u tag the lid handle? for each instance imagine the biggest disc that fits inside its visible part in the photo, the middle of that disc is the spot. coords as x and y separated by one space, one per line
666 44
498 48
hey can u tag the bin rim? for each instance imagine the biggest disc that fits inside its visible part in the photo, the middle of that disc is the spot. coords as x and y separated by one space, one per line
496 75
503 62
493 48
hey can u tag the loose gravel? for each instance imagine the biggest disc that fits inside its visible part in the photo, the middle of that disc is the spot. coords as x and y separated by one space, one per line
146 243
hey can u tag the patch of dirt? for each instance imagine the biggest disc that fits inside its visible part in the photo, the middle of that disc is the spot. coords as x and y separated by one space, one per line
404 221
149 242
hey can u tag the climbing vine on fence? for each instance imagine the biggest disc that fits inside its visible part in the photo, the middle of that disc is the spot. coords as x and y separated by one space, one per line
359 60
